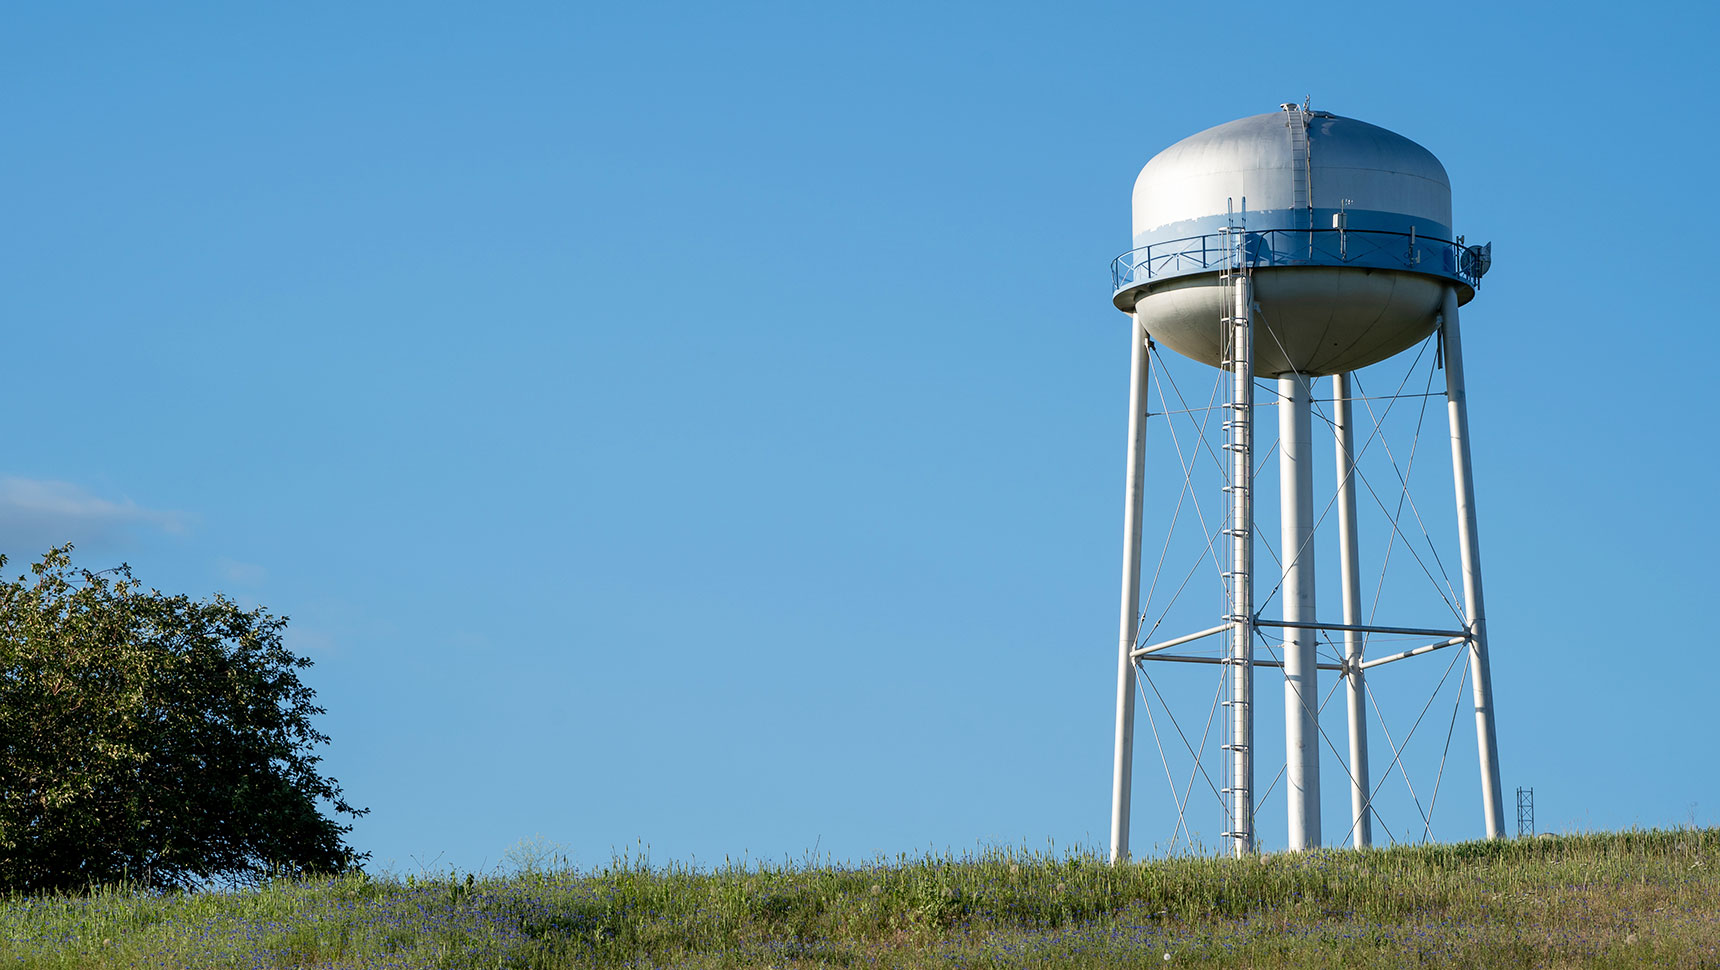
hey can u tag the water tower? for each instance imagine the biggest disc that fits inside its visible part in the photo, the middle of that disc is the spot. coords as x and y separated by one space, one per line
1291 246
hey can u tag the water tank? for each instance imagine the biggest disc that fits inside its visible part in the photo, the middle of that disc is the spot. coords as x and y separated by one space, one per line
1346 226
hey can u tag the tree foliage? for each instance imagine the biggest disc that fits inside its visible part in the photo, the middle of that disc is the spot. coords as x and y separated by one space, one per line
153 738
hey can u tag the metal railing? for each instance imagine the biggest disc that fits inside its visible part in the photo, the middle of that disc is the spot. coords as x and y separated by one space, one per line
1372 248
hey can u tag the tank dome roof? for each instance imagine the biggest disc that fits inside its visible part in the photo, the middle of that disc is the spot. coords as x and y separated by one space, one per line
1347 165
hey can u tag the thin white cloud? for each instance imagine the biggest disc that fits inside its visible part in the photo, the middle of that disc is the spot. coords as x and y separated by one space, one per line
303 640
242 573
38 513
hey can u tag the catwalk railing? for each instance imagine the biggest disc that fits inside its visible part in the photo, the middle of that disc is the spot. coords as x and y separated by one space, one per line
1367 248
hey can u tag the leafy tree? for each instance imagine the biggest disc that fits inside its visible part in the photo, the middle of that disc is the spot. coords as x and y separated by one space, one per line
153 738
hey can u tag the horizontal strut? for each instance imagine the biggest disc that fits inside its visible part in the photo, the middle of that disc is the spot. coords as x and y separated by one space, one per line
1178 641
1359 628
1179 658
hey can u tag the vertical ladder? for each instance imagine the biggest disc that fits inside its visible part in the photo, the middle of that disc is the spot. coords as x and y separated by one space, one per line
1238 365
1301 170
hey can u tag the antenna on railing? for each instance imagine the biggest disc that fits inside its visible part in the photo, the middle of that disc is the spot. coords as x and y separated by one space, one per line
1341 222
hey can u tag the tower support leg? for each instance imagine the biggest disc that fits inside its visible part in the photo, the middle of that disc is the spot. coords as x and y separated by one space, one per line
1350 579
1469 550
1129 620
1296 532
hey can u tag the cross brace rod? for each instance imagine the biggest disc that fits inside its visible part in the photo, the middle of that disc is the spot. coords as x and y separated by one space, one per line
1418 651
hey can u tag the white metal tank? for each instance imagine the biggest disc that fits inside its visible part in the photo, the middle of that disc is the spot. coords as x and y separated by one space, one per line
1348 233
1293 245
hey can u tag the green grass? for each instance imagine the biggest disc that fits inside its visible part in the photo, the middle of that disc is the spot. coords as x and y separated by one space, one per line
1632 899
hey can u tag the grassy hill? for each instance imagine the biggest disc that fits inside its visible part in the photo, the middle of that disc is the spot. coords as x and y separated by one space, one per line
1633 899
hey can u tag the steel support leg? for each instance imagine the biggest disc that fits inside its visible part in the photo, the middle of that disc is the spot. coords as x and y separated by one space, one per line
1350 579
1469 550
1296 533
1129 620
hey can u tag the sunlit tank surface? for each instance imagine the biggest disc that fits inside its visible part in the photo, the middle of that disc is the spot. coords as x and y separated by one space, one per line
1348 230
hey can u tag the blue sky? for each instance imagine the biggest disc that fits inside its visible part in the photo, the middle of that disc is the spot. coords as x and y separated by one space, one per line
703 426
